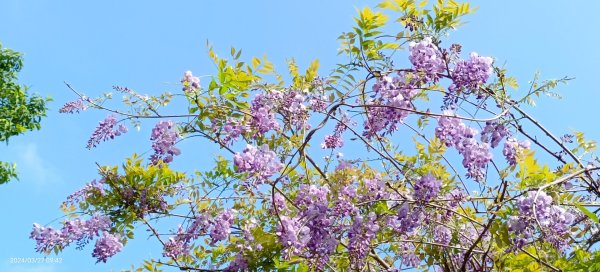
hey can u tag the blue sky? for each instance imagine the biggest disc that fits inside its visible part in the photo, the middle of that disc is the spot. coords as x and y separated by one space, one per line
147 46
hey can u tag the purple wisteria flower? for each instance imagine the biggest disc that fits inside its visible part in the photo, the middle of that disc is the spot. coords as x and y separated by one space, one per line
318 104
90 189
454 133
409 258
493 133
512 147
46 238
344 205
332 141
163 139
536 210
222 226
476 156
293 235
263 112
374 189
442 234
238 264
471 73
75 230
174 248
106 247
389 107
426 59
105 131
559 227
74 106
336 140
279 202
260 163
190 82
427 188
96 224
313 203
360 235
233 129
407 220
179 245
294 110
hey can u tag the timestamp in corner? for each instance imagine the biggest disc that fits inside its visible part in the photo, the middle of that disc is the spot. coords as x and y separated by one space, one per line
35 260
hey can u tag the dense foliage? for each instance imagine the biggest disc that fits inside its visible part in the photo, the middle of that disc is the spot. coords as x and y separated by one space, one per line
19 111
443 167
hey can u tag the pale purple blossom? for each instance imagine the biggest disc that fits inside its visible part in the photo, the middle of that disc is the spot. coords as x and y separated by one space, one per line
426 59
512 147
360 235
222 226
190 82
163 139
74 106
260 163
427 188
105 131
107 246
471 73
393 96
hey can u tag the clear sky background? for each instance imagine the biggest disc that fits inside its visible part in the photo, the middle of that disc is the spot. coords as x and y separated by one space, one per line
147 45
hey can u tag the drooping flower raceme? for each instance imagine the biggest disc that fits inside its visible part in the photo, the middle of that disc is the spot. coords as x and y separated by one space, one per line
74 106
107 246
74 230
163 142
260 163
318 104
179 245
360 235
454 133
294 109
407 219
233 128
262 112
426 59
493 133
344 206
409 258
471 73
389 107
536 209
190 82
427 188
561 221
336 140
279 202
176 247
105 131
512 147
94 187
97 223
293 235
313 202
442 234
476 156
375 189
222 226
332 141
238 264
46 238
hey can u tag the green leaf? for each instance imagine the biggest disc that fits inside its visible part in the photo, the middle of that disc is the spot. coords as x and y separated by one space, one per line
587 212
